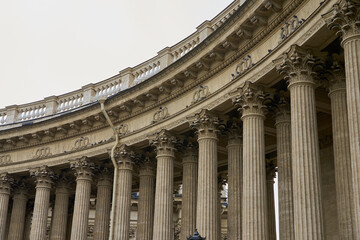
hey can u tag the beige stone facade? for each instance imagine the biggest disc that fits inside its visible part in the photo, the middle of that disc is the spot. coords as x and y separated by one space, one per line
266 89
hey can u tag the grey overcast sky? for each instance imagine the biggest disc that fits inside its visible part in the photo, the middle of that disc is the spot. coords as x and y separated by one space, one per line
50 47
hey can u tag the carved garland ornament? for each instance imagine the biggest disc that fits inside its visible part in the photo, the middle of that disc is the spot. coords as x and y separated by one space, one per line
81 143
5 159
200 94
42 153
160 114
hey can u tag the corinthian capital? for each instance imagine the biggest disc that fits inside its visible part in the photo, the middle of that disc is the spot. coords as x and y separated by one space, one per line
251 99
206 123
164 142
299 65
5 183
282 110
336 77
83 168
344 18
125 157
43 176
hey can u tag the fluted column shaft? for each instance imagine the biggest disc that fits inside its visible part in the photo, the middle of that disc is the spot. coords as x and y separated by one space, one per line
28 220
342 161
146 203
344 19
285 187
80 220
235 173
189 191
207 205
254 208
17 221
250 100
163 215
299 66
271 203
103 207
4 203
60 216
124 184
42 200
305 158
351 46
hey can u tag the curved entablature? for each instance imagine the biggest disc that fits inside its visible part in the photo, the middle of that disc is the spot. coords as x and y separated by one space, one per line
127 78
241 49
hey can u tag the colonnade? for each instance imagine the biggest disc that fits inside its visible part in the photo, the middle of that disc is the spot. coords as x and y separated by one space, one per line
250 182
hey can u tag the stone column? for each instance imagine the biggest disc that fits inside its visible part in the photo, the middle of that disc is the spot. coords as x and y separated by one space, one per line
69 219
163 214
146 203
207 215
43 176
285 187
344 19
298 67
61 209
341 143
103 206
5 187
83 172
235 173
28 219
270 175
189 191
250 99
124 158
17 221
221 182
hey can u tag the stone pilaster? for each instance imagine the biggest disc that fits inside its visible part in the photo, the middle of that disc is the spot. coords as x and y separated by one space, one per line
163 215
103 206
84 173
207 214
5 188
341 143
270 175
250 98
124 158
146 203
61 208
189 191
298 67
17 221
344 18
235 173
43 179
285 187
